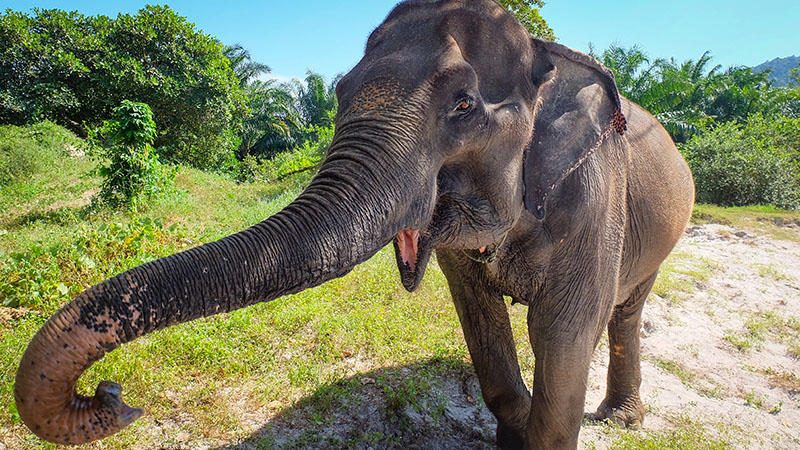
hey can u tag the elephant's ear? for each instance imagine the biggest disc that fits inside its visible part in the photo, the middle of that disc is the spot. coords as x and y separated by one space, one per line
576 108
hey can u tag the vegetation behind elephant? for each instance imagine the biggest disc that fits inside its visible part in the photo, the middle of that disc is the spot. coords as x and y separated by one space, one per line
514 158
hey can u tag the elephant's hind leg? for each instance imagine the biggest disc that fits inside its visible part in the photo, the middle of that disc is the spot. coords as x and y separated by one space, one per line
622 404
487 330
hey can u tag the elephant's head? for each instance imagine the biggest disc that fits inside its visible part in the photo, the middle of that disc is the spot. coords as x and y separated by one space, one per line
491 118
451 126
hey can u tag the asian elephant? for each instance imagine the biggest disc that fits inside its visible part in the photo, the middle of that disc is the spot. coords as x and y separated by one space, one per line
514 158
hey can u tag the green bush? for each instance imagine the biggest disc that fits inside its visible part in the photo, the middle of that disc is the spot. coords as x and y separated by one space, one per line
44 277
31 278
74 69
753 164
132 171
306 157
27 150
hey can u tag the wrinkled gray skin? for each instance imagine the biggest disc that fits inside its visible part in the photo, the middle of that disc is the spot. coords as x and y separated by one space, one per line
456 132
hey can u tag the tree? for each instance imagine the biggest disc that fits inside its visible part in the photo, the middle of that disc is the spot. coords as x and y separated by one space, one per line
243 66
794 78
687 97
159 58
274 123
74 69
527 12
316 100
46 65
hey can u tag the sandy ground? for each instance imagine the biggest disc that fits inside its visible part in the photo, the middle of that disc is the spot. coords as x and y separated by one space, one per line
750 396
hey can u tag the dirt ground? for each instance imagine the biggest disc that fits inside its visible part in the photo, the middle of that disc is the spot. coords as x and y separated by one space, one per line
751 296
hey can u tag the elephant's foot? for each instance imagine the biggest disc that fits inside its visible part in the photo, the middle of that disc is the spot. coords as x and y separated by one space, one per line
509 438
624 412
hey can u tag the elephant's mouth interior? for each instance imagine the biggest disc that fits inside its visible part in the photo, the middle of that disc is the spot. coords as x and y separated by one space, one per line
412 257
407 245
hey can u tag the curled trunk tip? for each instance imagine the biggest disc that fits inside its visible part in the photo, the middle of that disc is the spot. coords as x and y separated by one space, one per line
45 388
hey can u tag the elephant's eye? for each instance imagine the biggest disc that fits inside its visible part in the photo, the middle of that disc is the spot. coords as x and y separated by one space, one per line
464 105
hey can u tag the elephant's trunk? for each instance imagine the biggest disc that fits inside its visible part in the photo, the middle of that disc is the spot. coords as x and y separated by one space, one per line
344 217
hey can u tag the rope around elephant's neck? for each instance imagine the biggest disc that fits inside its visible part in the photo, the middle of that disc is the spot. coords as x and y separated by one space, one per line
488 256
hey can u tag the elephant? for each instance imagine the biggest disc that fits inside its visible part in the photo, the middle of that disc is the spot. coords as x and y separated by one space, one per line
515 159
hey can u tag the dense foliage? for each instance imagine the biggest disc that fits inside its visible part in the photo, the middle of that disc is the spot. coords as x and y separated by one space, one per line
130 168
687 97
739 133
285 115
304 157
74 69
754 163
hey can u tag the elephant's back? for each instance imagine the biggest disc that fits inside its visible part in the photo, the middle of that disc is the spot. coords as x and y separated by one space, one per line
660 196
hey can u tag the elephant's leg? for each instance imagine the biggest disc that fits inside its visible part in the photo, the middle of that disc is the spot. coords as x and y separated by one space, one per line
487 330
559 390
622 404
565 322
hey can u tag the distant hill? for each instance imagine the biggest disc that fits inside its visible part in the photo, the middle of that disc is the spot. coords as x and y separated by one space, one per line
780 69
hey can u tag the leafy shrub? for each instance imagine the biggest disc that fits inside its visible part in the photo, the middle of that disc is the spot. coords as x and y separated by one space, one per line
306 157
757 163
215 152
27 150
45 277
133 171
31 278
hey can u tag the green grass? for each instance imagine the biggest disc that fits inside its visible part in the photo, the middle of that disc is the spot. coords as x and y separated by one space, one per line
688 435
765 220
681 274
28 150
770 271
754 400
766 325
701 384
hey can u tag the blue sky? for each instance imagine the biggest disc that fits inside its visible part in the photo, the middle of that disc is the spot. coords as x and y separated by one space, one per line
328 36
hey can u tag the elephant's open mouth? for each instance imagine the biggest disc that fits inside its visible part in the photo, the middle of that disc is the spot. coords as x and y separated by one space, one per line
412 252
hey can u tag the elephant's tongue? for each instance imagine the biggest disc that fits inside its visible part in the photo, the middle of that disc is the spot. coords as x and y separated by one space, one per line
407 242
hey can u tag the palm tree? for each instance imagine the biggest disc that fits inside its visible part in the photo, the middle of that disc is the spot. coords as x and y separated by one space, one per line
675 94
243 66
274 123
316 99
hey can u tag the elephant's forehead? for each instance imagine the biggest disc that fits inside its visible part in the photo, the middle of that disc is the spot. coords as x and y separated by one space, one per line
378 95
427 24
419 39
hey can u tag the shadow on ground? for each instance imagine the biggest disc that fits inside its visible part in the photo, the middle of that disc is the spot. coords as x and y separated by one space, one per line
62 216
431 404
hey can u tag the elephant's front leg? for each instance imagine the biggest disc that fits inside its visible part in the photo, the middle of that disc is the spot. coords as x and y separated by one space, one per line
565 324
487 330
559 390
